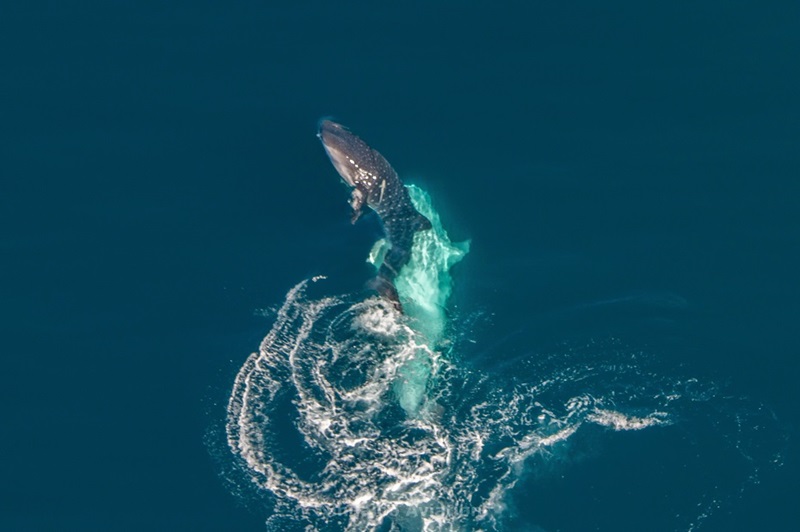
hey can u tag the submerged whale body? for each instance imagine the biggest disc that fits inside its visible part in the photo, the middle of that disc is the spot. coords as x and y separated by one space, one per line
375 184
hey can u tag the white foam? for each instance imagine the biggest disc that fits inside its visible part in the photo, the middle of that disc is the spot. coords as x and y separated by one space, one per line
388 427
620 421
450 469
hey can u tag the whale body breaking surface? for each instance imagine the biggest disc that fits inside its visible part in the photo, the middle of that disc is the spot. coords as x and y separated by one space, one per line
376 184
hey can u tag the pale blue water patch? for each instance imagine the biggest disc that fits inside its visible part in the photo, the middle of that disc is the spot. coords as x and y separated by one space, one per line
424 285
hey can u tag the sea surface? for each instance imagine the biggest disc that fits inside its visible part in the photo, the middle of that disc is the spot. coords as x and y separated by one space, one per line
601 329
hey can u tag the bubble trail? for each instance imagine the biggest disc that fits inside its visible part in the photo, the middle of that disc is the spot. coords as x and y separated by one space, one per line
354 416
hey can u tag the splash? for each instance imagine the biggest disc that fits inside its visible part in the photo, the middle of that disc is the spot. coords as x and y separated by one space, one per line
352 416
424 286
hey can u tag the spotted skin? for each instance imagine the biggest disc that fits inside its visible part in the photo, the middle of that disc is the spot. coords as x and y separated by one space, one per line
375 184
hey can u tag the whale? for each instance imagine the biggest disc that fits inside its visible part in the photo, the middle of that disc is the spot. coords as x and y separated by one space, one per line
376 185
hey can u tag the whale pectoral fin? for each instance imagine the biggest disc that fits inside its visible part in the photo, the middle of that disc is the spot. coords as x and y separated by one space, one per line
421 224
357 200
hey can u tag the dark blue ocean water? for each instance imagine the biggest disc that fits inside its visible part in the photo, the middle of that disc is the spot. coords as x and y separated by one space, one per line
627 174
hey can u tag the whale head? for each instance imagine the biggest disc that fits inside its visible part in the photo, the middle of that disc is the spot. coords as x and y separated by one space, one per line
357 163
